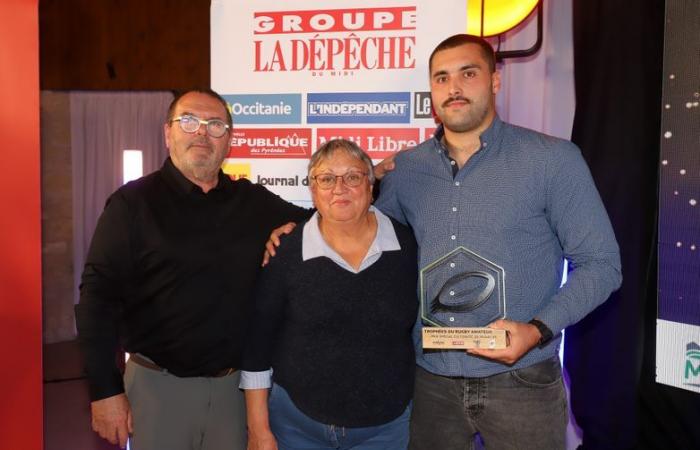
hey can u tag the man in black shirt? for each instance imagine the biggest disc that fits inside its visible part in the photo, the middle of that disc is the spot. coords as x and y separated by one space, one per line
169 276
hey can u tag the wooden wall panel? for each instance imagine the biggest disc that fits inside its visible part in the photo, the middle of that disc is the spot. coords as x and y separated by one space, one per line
124 44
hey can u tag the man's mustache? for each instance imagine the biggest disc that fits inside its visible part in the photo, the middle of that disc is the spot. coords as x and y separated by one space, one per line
455 99
201 142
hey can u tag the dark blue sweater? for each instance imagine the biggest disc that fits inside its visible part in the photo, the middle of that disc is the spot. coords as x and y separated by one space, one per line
340 343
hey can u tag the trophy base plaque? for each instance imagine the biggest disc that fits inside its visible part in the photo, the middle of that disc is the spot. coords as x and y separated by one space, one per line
463 338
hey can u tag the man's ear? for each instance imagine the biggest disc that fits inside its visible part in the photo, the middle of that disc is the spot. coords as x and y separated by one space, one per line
166 134
496 82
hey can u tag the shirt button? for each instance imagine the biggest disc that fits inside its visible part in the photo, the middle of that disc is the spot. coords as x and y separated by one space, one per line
454 209
484 144
452 265
456 183
453 162
453 237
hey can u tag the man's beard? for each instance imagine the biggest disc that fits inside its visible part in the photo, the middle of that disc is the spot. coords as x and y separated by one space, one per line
468 120
204 168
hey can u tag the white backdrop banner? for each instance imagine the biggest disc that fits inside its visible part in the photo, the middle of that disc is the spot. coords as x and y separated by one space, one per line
298 74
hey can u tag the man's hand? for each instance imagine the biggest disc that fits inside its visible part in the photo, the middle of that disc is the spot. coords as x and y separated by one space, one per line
387 165
274 241
523 337
111 419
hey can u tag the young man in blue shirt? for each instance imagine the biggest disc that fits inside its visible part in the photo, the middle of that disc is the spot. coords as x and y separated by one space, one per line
525 201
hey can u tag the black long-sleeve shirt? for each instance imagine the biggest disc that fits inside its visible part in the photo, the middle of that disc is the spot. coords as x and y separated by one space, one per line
170 273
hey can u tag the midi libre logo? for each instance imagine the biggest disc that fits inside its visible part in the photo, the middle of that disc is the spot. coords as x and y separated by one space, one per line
335 42
692 364
359 107
265 108
379 143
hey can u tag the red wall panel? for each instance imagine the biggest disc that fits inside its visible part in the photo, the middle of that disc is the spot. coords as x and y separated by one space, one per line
20 228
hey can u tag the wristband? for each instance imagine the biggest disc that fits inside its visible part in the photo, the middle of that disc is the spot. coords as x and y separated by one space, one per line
545 332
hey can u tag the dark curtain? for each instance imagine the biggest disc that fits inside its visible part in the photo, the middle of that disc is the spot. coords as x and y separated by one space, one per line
618 69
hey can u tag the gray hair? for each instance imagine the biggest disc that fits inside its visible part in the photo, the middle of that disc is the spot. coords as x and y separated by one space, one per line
349 148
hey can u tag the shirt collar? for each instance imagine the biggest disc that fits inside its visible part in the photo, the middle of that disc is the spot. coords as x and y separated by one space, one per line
180 182
487 137
314 246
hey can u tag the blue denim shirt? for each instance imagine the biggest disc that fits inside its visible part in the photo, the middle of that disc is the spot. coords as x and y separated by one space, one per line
524 201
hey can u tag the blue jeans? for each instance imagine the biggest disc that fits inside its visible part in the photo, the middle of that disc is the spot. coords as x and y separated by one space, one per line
521 409
294 430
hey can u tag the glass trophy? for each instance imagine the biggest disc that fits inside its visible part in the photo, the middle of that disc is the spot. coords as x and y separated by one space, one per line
460 294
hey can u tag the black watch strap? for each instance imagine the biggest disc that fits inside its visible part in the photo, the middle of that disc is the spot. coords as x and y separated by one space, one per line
546 333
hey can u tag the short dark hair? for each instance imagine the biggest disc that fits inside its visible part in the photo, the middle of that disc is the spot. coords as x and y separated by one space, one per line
462 39
206 91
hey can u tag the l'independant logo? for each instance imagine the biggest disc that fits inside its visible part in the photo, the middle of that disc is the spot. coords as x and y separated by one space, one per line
692 364
358 107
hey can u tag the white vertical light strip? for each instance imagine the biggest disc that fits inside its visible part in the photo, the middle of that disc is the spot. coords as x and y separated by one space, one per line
561 347
133 165
131 170
564 276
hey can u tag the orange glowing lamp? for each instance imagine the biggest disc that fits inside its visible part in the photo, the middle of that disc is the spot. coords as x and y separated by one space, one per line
499 16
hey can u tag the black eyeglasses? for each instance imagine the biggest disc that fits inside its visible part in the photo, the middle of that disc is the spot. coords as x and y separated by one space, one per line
190 124
328 180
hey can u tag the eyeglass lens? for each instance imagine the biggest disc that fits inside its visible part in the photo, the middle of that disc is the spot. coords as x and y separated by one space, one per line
190 124
327 180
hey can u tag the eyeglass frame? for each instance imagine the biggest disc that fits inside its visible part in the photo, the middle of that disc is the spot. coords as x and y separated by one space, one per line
342 177
200 123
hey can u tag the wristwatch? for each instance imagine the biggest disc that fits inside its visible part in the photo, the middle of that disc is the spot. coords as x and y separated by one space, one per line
545 332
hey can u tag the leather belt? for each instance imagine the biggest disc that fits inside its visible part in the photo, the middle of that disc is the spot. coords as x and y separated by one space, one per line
143 362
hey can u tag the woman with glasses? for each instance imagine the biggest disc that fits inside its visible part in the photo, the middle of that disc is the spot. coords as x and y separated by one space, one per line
330 361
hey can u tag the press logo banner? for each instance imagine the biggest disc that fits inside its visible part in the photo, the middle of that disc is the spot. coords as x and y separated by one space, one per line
297 74
336 40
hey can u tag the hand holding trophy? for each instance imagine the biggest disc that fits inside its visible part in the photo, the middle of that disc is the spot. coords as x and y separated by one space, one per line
461 293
